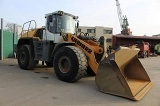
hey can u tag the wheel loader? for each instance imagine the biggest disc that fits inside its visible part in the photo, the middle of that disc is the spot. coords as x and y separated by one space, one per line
75 54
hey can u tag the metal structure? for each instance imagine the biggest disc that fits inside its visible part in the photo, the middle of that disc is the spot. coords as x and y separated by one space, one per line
144 49
122 20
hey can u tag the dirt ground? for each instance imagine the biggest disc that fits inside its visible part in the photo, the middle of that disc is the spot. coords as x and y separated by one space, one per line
40 87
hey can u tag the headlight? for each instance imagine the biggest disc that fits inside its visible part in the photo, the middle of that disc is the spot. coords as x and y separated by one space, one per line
60 12
75 17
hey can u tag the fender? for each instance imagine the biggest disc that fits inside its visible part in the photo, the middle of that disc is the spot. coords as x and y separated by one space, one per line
59 45
82 45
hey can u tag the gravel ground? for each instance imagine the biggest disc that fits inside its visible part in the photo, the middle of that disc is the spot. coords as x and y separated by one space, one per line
40 87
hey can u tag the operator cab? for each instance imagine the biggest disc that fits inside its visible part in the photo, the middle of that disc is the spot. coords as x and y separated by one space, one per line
58 22
61 21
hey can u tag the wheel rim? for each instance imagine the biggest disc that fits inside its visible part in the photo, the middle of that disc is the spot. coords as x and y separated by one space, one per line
22 57
64 64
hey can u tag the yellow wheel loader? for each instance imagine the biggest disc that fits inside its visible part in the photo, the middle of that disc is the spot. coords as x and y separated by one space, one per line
73 55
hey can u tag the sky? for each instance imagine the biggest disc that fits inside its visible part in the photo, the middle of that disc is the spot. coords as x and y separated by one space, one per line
143 15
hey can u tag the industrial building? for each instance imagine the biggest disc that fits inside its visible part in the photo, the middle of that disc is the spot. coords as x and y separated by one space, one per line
123 40
98 31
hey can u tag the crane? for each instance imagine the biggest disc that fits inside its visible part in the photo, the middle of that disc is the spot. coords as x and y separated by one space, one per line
122 20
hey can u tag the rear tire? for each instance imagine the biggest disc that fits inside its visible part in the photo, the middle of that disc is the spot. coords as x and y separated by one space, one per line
25 58
70 64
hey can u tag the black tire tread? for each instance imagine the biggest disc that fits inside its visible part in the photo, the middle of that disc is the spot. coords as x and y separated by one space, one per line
82 62
31 64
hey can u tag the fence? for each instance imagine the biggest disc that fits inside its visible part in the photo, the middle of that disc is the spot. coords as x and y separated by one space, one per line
8 38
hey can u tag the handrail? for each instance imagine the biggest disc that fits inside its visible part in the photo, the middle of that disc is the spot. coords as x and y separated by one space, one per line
28 26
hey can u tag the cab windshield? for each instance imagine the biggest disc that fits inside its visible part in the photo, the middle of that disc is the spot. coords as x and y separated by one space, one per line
66 24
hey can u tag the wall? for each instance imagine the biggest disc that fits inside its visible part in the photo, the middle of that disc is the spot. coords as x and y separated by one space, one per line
8 40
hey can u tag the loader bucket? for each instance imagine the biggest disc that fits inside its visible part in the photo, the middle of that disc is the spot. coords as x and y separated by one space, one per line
122 74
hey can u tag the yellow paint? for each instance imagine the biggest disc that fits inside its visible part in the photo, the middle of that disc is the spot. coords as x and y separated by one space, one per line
90 56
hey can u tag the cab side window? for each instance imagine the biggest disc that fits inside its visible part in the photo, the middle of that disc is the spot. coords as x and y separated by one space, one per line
52 23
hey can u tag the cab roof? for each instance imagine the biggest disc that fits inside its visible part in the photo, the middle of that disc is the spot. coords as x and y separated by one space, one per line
60 13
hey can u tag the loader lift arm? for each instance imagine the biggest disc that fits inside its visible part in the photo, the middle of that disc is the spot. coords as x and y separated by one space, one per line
89 47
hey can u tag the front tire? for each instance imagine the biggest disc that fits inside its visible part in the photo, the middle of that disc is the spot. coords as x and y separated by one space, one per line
70 64
25 58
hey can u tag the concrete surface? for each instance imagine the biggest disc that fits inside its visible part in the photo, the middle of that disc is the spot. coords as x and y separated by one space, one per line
40 87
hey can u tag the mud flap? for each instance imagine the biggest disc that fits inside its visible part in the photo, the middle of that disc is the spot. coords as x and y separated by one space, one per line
122 74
